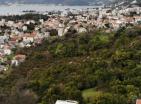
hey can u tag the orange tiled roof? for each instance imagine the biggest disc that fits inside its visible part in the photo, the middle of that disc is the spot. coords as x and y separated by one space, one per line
19 56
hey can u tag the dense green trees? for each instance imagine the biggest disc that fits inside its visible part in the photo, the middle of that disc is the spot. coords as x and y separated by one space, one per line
64 67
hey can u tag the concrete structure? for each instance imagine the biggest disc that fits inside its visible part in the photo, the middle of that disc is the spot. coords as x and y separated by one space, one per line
66 102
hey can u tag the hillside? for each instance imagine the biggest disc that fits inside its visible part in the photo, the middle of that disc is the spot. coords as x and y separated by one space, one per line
92 68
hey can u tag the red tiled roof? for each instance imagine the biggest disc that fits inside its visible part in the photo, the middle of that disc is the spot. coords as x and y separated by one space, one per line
33 33
19 56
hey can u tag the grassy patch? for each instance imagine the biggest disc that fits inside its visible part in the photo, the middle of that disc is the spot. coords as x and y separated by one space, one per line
90 93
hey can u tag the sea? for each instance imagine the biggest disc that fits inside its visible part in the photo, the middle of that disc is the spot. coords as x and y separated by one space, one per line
17 9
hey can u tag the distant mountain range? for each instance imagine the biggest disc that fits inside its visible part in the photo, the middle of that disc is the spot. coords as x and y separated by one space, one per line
67 2
63 2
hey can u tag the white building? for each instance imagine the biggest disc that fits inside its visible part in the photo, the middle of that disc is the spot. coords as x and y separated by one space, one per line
14 62
10 23
7 51
82 29
66 102
28 39
3 20
41 21
24 28
61 30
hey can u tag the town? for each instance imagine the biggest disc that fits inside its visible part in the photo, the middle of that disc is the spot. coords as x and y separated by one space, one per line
27 33
64 54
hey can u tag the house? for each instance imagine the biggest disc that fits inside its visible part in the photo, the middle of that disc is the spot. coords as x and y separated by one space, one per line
21 45
46 34
10 23
28 45
3 20
28 39
61 29
41 21
30 21
7 51
82 29
14 62
24 28
66 102
3 39
36 28
3 68
138 101
18 59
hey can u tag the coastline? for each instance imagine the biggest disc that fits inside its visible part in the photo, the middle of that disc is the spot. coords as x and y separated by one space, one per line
16 9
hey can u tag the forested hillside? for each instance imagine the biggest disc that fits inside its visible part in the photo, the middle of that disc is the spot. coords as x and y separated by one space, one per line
92 68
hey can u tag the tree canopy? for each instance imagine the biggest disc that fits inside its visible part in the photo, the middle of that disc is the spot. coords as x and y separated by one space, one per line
68 67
